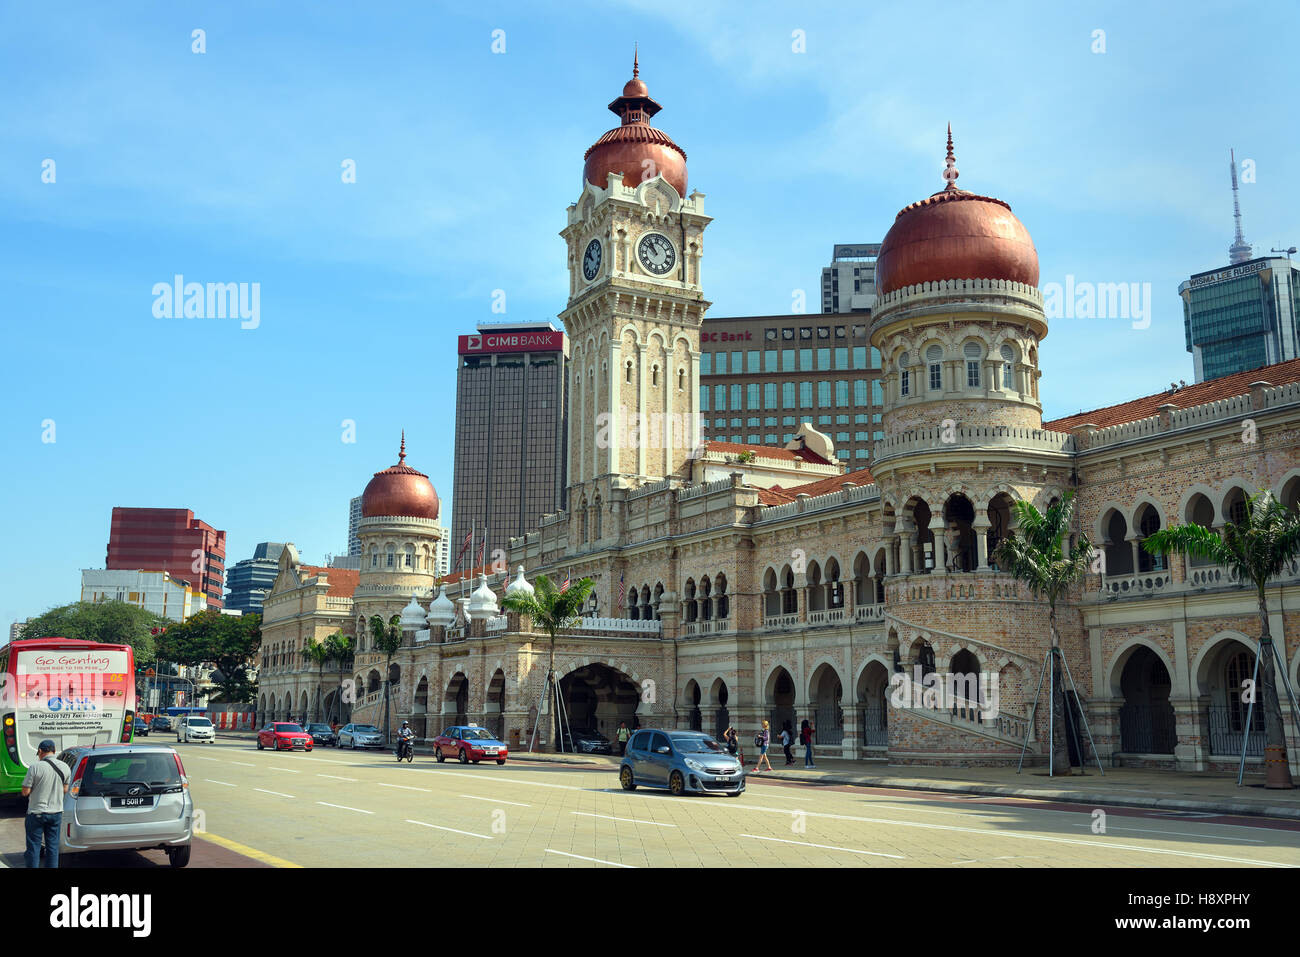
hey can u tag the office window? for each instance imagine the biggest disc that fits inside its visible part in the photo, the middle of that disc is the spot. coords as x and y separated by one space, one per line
770 422
769 395
876 418
751 396
842 455
824 395
787 395
704 398
841 358
787 360
862 454
720 362
785 439
735 423
861 419
824 420
752 422
706 363
805 360
859 357
719 423
859 391
753 439
771 440
861 436
736 405
805 395
841 392
739 440
877 436
841 420
751 360
769 360
720 397
824 360
788 420
875 358
737 363
841 436
877 393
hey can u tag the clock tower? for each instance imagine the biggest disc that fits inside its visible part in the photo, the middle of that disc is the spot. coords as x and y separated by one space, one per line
635 239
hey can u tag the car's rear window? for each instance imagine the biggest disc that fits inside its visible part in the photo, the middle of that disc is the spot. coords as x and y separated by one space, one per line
108 774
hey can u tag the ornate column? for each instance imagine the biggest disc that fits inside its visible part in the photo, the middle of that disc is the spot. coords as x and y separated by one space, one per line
981 530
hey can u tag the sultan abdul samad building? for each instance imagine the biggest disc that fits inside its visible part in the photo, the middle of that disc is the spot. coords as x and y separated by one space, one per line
765 582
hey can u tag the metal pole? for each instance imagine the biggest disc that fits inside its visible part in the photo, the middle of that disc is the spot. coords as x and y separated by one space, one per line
1029 727
1250 711
1051 715
1286 683
1084 716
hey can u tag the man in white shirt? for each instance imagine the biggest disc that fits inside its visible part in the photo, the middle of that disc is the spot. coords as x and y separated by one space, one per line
44 787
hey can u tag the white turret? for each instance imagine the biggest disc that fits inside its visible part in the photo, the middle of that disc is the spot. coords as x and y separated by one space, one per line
483 603
520 588
412 616
441 610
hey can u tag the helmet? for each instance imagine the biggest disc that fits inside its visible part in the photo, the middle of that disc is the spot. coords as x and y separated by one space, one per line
405 723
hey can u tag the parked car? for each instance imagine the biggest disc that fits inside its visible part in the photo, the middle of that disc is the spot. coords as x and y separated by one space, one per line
141 728
127 797
195 727
587 741
283 736
160 722
322 735
682 762
469 743
360 736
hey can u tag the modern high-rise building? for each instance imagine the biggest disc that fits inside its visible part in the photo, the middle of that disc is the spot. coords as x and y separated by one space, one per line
443 561
1245 315
354 519
849 282
249 580
170 540
511 427
761 377
154 591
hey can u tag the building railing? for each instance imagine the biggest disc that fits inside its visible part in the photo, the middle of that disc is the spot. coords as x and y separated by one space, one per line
711 627
1228 729
780 621
1002 436
625 625
1148 583
872 612
826 616
1144 729
497 624
874 721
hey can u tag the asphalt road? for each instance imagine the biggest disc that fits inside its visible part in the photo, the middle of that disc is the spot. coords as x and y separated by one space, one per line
332 808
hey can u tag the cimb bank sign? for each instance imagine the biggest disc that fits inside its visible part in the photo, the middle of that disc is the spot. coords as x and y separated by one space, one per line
488 342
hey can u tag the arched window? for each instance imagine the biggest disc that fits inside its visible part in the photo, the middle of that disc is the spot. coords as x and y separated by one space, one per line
1008 366
374 557
973 354
681 380
721 603
1234 507
904 375
654 375
598 519
409 557
627 371
934 358
392 552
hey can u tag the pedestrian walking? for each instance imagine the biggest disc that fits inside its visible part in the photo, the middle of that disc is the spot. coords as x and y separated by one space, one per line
732 737
806 732
761 741
44 786
623 735
787 739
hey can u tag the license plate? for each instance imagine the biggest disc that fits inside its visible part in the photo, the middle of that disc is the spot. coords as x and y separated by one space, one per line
144 801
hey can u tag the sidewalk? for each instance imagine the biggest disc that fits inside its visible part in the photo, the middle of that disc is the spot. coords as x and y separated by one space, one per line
1124 787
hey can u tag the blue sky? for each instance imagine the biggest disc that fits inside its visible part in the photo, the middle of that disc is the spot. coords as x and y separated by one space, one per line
225 166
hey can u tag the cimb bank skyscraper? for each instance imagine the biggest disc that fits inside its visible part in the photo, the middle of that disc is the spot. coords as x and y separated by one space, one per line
511 432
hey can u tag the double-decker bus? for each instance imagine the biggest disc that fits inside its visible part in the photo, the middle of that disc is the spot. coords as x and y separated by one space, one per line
73 692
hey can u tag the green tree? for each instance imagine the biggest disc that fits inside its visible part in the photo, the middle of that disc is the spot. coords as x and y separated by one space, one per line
230 642
318 654
388 639
551 609
342 652
1256 550
1036 554
109 622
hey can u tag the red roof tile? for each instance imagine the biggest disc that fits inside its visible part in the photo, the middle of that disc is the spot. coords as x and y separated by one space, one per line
342 581
1282 373
766 451
780 496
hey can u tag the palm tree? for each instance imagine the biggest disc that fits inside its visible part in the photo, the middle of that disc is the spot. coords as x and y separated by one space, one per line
1256 549
1037 556
388 639
318 653
551 609
342 651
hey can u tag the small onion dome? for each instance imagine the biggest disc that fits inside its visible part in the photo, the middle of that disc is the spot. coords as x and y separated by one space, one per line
635 147
400 491
483 603
955 234
441 610
412 616
519 588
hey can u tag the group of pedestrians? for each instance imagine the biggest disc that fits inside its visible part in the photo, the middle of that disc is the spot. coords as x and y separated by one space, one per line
763 740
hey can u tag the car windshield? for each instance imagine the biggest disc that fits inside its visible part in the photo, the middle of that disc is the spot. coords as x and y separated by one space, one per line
365 728
288 728
697 744
199 723
477 734
108 774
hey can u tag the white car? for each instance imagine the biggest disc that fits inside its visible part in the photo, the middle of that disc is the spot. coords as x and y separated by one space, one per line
195 727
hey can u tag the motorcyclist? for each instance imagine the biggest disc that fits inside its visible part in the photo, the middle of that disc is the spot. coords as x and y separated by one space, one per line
405 738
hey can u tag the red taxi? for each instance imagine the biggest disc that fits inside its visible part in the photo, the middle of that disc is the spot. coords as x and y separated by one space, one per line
283 736
469 744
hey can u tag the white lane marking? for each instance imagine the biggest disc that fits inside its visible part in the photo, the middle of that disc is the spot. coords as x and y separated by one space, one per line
475 797
190 757
539 784
336 777
1156 830
826 847
286 770
244 764
276 793
989 832
404 787
630 820
486 837
344 807
226 783
596 860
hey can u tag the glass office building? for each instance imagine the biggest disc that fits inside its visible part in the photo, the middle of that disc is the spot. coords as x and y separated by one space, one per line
1241 317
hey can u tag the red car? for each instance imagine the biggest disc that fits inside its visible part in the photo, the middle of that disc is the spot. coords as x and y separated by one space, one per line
468 743
283 736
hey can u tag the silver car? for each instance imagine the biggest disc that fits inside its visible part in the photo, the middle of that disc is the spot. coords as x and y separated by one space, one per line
360 736
682 762
127 797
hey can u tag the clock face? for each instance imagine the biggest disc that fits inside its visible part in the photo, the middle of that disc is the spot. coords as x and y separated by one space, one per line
591 260
656 254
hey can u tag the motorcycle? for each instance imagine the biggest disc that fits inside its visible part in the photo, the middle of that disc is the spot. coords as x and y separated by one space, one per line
405 749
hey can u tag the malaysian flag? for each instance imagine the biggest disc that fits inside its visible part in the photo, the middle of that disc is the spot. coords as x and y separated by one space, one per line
464 545
567 583
622 590
482 548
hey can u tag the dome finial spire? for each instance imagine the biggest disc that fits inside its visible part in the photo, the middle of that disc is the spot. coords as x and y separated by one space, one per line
950 171
636 63
401 455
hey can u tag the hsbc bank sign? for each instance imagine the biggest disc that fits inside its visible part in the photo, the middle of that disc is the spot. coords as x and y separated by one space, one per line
745 336
485 342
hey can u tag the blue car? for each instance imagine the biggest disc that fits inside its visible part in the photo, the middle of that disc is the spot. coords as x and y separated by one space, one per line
681 761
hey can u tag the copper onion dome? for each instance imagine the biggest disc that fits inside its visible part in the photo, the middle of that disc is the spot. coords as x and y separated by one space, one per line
626 148
955 234
400 491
